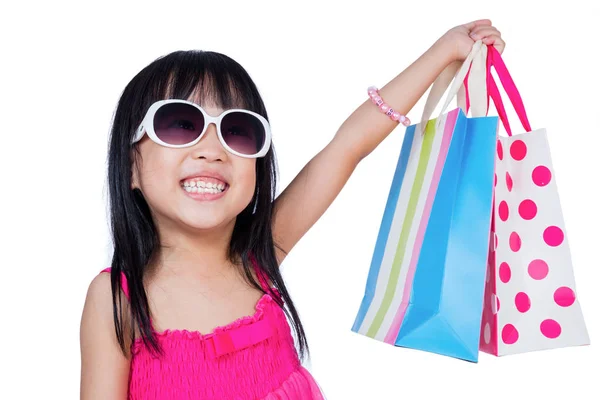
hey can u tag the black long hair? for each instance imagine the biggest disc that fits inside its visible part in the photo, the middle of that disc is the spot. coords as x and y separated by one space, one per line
179 75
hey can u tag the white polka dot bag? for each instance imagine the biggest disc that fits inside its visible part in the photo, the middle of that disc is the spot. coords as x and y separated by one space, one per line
530 301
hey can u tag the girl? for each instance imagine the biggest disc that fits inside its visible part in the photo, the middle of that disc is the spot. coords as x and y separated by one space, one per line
199 236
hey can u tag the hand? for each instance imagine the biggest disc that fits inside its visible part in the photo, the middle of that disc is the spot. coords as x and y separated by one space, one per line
459 40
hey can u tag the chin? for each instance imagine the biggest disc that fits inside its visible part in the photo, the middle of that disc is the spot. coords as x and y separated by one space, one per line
207 221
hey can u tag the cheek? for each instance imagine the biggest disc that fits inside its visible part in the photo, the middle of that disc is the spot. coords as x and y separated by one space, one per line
247 180
157 173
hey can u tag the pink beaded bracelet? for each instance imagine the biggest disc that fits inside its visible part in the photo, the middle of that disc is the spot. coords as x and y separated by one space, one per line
385 108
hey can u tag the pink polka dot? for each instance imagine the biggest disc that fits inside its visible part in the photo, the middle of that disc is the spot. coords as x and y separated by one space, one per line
495 180
518 150
497 304
550 328
515 242
553 236
510 334
499 150
522 302
495 241
528 209
564 296
503 210
504 272
541 175
509 182
538 269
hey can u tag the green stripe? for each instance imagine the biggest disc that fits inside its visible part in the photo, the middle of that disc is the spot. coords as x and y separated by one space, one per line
408 221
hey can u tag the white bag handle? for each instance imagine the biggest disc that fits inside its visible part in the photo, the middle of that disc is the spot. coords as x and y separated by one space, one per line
456 73
477 81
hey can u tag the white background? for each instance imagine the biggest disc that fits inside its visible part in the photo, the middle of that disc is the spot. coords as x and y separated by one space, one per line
64 65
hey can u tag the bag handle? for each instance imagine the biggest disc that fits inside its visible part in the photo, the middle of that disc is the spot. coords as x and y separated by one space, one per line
471 74
494 93
495 59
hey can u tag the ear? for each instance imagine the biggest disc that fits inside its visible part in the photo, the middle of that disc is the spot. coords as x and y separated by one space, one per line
134 177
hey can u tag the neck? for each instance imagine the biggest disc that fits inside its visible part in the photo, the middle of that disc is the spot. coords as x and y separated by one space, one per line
195 253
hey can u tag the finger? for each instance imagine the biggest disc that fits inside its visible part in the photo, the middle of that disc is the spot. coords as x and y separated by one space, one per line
499 44
481 22
491 39
485 30
482 32
497 41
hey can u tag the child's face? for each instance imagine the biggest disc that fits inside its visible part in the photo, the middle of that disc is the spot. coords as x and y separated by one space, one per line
161 175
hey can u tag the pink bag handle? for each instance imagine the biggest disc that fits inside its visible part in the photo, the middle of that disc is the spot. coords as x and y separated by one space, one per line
494 93
495 60
490 86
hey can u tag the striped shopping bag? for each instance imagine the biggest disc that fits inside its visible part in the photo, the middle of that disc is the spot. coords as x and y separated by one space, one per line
426 281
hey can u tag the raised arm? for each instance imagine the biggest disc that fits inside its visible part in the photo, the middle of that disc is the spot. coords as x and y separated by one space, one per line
317 185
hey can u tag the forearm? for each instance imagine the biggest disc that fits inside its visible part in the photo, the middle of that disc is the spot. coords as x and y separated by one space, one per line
367 126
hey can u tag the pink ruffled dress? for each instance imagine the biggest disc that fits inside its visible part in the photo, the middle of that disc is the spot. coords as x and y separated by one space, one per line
251 358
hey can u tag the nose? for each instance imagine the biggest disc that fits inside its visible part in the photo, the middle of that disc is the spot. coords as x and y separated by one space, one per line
210 147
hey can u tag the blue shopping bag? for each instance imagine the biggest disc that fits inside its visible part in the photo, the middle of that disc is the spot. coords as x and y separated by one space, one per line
427 276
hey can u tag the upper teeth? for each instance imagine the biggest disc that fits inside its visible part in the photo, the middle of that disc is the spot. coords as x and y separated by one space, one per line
199 185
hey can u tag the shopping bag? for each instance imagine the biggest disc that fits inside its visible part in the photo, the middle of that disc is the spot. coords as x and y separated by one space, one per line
530 296
426 279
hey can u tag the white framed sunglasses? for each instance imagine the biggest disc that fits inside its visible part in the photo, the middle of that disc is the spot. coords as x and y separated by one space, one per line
180 123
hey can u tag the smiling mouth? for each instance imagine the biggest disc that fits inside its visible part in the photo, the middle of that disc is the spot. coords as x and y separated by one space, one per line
204 185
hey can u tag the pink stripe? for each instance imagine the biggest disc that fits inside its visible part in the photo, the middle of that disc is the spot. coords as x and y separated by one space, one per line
390 337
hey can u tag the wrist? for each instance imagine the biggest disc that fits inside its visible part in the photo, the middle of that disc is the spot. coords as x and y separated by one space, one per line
442 52
445 50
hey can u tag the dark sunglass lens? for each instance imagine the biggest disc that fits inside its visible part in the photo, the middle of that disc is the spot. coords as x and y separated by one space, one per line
243 132
178 123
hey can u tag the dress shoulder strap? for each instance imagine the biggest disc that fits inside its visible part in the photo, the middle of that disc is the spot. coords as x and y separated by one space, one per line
262 278
124 284
260 274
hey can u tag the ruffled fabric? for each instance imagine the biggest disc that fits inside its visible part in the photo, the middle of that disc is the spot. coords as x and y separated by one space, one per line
268 369
299 385
184 334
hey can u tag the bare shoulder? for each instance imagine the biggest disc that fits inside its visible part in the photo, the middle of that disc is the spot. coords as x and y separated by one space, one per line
104 367
98 307
99 290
